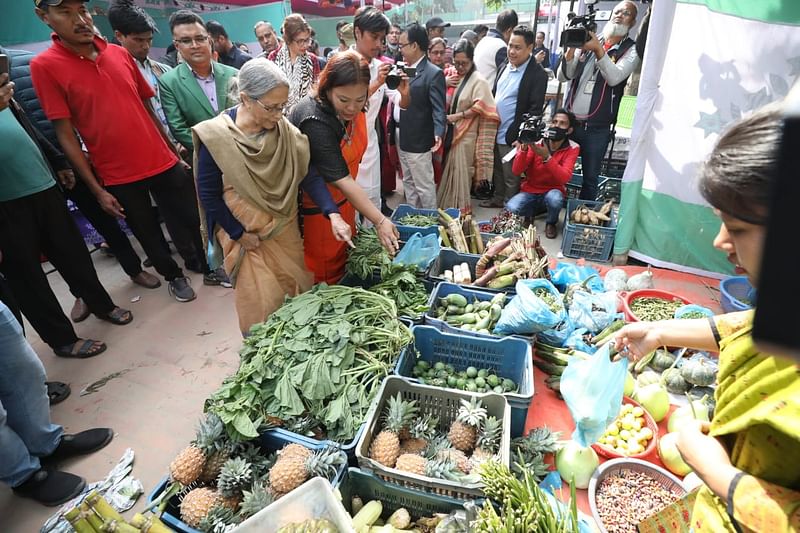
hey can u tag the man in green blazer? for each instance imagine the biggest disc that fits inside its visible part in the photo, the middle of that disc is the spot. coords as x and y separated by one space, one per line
197 89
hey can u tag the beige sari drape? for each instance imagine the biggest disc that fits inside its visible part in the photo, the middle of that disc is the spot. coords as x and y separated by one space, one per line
260 178
471 156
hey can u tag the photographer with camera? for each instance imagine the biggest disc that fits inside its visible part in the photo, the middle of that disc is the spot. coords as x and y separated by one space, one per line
547 158
597 74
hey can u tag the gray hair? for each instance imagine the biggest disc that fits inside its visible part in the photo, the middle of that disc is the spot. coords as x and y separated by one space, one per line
263 23
256 78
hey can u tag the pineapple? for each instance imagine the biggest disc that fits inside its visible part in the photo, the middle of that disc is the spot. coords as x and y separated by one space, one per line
217 519
456 457
213 442
197 504
254 500
187 465
413 463
255 456
488 442
385 448
464 430
443 469
289 473
236 474
422 431
295 450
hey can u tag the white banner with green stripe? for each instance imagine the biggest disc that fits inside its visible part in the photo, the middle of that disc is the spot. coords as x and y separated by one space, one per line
707 63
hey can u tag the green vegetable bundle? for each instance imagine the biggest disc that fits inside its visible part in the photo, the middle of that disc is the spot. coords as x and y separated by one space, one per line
420 221
524 507
368 255
323 354
400 284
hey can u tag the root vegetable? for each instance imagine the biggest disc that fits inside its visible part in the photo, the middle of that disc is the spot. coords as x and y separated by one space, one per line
486 277
399 519
368 515
502 281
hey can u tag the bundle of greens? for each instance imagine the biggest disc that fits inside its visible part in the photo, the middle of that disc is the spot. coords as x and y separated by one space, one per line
420 221
323 354
524 507
528 453
368 255
400 284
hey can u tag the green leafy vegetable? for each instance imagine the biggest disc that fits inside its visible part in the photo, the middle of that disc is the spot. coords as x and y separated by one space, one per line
368 255
421 221
400 284
320 358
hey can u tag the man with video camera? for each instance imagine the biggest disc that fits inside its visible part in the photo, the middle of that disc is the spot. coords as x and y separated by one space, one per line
547 157
597 74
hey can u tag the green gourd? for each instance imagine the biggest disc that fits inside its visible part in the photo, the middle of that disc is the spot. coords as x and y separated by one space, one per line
662 360
698 373
674 382
646 378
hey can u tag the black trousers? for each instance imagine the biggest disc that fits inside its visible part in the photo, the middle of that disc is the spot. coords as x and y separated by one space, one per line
175 195
36 224
107 226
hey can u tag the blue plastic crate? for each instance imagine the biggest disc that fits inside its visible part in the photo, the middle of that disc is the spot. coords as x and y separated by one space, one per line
349 447
368 486
270 442
593 243
479 293
573 187
448 259
509 358
407 231
736 294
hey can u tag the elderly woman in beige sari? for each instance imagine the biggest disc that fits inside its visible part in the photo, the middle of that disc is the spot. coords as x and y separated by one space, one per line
250 163
473 123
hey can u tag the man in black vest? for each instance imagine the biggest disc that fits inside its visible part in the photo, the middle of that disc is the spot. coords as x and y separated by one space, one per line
597 76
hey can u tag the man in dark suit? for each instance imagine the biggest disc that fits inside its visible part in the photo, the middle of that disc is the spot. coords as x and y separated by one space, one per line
422 125
519 90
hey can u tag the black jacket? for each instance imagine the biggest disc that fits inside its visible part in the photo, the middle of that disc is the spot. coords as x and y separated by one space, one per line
425 117
530 99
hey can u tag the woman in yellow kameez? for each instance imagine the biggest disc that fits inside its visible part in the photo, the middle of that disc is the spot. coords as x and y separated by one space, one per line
748 457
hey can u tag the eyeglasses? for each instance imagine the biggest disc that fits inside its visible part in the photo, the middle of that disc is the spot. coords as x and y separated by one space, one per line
400 46
273 109
462 64
303 41
187 41
623 12
436 52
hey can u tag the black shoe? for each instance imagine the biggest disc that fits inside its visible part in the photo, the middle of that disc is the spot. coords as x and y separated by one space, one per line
81 443
51 488
180 289
194 266
217 277
147 263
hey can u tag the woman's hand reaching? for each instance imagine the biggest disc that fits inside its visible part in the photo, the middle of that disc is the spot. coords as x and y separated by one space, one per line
389 236
637 339
341 229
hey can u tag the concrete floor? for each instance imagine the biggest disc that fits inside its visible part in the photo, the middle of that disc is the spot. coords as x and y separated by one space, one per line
173 356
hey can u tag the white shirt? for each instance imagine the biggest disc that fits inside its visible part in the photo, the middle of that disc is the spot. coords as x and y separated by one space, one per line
369 171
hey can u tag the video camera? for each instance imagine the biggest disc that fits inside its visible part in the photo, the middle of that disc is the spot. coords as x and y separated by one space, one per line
395 74
576 34
533 129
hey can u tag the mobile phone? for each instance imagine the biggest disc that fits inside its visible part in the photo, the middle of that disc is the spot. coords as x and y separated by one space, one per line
4 65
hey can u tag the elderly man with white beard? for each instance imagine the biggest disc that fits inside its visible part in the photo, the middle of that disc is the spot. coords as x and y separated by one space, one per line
597 73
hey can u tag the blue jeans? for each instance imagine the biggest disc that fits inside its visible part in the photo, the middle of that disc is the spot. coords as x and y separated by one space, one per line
594 143
525 204
26 432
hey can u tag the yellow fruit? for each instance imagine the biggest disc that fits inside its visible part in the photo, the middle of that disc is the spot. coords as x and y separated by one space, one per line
213 466
416 446
196 505
647 433
287 474
187 465
638 412
456 456
612 429
625 434
412 463
462 436
295 450
385 448
231 503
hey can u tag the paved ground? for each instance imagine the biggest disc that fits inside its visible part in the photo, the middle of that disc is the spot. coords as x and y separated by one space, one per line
171 357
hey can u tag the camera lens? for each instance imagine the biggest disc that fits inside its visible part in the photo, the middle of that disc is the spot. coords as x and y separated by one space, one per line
392 81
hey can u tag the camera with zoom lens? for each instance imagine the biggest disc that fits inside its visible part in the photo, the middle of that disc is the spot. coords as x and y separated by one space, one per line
532 129
576 34
394 77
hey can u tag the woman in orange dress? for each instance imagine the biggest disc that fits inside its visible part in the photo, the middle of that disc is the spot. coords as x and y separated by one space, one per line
334 121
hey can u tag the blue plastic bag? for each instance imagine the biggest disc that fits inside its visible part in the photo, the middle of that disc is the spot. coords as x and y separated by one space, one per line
552 483
575 340
565 274
526 313
558 335
592 389
595 312
419 251
692 308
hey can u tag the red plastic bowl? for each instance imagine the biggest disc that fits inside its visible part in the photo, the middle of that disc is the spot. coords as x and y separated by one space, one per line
647 293
609 453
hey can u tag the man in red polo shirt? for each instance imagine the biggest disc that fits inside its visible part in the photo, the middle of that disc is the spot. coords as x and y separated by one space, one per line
86 84
548 166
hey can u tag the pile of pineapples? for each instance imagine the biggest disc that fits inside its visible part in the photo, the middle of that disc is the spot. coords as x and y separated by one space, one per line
409 441
225 483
